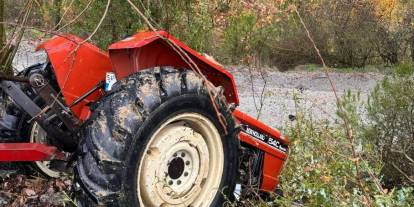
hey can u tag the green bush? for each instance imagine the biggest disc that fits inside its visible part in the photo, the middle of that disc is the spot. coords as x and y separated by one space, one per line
391 110
237 37
321 170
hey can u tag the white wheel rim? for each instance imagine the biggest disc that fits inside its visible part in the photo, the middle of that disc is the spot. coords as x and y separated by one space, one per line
38 135
182 163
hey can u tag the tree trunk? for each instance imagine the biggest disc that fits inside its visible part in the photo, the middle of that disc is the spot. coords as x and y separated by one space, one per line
2 30
57 5
9 48
4 52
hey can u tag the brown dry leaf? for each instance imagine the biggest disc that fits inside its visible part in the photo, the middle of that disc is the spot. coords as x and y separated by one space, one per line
28 192
308 169
326 178
50 190
68 182
19 201
19 179
60 185
354 159
6 185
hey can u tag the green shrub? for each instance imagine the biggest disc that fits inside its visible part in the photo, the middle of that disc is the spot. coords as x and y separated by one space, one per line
391 110
321 170
237 37
404 68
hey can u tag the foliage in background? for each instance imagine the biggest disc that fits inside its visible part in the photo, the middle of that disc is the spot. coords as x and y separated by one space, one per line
352 33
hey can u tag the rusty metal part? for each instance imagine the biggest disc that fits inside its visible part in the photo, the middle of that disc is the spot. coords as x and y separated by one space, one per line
66 139
52 99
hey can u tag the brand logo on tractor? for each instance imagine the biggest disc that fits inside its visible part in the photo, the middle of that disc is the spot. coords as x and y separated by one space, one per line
256 134
273 142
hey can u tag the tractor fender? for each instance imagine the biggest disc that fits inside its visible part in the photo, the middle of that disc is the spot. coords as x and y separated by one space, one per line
152 49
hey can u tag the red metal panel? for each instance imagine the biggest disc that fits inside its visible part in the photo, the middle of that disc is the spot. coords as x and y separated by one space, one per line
273 159
272 167
15 152
78 67
262 146
150 49
259 125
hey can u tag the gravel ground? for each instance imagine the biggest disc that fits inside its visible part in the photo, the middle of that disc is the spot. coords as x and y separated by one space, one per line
313 89
26 55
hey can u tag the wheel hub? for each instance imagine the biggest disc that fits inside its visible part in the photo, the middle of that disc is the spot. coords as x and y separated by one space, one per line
181 171
179 166
176 168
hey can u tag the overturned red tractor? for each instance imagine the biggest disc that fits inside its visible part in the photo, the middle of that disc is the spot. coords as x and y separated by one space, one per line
148 123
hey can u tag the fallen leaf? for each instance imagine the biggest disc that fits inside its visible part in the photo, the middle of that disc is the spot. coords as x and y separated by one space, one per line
68 182
29 192
308 169
60 185
326 178
354 159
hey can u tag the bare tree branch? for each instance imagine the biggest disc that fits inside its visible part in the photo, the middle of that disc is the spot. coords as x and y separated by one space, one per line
403 173
108 3
188 60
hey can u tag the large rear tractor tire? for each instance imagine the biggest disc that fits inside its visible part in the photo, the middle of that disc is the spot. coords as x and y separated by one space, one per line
157 140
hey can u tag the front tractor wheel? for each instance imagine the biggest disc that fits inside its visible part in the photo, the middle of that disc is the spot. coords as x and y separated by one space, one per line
157 141
39 135
182 164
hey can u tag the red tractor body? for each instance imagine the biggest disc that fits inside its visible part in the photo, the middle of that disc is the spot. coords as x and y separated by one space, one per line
80 66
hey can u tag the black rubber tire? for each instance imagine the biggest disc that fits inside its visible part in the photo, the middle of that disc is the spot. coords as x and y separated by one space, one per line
122 123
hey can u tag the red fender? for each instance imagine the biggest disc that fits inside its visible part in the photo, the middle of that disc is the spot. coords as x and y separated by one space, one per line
150 49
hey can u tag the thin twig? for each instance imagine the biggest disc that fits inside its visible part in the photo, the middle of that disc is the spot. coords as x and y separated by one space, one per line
78 16
259 107
19 36
108 3
349 130
403 173
187 59
12 34
63 16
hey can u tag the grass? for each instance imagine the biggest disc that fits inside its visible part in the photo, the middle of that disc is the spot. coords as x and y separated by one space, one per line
370 68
